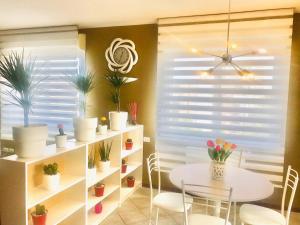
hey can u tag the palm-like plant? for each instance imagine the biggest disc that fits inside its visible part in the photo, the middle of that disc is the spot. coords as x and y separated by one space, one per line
116 80
17 75
104 151
84 83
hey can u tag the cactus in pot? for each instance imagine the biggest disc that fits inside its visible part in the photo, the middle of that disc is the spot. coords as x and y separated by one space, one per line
51 178
39 216
104 152
61 138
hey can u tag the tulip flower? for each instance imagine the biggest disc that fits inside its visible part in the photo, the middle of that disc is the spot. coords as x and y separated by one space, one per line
233 146
227 146
220 141
210 144
218 148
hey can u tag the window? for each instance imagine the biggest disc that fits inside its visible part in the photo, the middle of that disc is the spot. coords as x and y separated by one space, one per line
57 56
192 108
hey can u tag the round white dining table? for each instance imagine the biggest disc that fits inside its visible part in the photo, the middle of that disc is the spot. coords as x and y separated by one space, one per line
246 185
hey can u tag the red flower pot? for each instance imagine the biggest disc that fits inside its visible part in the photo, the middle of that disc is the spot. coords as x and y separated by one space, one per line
99 190
128 145
98 208
130 182
39 219
124 168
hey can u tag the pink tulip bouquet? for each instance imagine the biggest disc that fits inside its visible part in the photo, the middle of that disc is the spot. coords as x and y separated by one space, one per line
220 150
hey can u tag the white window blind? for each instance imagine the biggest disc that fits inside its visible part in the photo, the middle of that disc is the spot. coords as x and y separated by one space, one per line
192 108
57 56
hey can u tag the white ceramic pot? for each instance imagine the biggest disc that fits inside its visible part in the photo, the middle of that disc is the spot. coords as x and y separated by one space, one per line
118 120
85 128
51 182
104 166
30 141
102 129
91 173
218 170
61 141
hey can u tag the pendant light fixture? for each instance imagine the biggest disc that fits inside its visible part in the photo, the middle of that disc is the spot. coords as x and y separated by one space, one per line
227 58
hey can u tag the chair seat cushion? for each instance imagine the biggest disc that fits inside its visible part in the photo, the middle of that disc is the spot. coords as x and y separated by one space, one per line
258 215
170 201
199 219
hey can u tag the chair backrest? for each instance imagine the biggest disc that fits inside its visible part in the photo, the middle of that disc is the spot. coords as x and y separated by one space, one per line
206 196
153 164
291 182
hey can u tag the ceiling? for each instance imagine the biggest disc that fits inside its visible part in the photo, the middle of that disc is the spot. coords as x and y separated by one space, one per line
103 13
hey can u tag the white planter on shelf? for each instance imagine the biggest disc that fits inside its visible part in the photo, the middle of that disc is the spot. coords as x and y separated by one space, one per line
85 128
51 182
30 141
91 173
102 129
118 120
104 166
61 141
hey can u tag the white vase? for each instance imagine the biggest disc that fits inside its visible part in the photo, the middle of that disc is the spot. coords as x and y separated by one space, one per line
30 141
91 173
85 128
51 182
104 166
102 129
217 170
61 141
118 120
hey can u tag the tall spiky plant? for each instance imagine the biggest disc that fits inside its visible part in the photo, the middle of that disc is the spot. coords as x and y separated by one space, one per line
116 80
17 75
84 83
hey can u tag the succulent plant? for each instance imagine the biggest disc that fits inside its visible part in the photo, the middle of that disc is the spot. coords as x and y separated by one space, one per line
51 169
99 184
130 178
129 140
104 151
123 161
61 129
40 210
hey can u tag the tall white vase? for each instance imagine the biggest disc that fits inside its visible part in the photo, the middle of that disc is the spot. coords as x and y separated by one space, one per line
30 141
118 120
85 128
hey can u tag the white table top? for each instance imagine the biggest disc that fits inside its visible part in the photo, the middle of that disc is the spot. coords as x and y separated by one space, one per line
247 186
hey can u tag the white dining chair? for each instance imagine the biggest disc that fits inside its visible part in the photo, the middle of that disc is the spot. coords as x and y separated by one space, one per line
212 194
162 200
257 215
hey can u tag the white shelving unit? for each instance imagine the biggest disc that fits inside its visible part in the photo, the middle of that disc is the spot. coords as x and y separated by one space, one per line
73 202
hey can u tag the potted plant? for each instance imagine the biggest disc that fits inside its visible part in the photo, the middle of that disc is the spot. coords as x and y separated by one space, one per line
61 138
104 152
98 208
84 127
99 189
219 152
133 110
128 144
118 119
39 216
51 178
124 166
17 77
92 170
130 181
102 128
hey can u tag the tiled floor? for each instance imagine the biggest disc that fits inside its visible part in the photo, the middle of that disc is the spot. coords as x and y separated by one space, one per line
135 211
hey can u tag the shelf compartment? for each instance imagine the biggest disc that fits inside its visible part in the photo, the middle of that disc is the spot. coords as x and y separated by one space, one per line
130 169
40 194
77 218
101 176
127 191
93 200
125 153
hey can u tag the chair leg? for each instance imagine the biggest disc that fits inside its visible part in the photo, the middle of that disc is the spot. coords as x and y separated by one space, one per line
156 219
150 215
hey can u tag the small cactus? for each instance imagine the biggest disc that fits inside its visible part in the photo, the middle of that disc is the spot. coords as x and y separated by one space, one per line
123 161
61 129
40 210
129 140
51 169
130 178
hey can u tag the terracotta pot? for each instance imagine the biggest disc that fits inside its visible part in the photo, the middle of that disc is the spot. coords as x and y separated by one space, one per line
130 182
98 208
39 219
124 168
128 145
99 190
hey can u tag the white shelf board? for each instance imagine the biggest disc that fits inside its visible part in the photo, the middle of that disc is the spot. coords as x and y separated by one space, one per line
125 153
108 208
93 200
59 212
40 194
101 175
131 168
127 191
